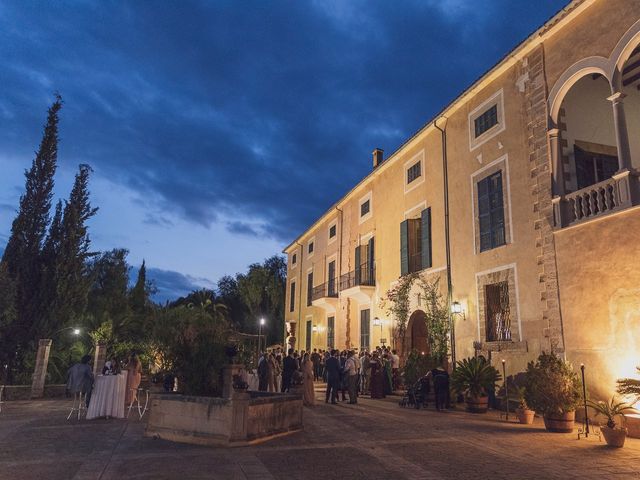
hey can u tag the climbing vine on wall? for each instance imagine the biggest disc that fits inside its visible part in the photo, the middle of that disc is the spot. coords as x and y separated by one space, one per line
396 303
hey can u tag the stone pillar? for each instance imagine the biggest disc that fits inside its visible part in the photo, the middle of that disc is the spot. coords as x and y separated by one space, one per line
40 371
99 358
556 161
622 137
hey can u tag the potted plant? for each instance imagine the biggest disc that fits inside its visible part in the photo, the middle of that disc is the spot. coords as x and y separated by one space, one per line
552 389
474 377
525 414
613 435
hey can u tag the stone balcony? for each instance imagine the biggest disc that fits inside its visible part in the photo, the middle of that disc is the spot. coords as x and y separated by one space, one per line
617 193
325 296
359 284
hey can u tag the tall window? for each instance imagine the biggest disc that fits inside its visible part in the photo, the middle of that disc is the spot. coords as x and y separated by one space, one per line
365 329
592 168
365 264
331 278
331 332
414 172
415 243
292 297
309 288
308 336
486 120
491 212
498 314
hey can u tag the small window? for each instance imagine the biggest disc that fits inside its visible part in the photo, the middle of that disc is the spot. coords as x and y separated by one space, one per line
310 247
491 212
486 120
498 313
414 172
332 231
294 259
365 207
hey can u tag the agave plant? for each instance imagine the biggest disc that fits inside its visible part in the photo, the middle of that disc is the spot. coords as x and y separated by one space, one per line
474 376
610 409
629 386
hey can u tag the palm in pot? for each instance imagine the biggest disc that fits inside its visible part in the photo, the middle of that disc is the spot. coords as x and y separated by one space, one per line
613 435
474 377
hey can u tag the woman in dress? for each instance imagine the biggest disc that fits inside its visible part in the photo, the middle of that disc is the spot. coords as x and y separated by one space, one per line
309 396
376 382
134 375
387 375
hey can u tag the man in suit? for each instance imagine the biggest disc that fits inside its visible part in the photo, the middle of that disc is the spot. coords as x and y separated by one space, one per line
332 367
289 365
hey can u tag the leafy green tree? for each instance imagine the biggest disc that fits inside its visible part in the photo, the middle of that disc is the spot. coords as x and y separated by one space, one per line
22 256
229 294
139 295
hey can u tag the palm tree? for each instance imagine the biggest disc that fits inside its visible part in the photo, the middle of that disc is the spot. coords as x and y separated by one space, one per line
629 386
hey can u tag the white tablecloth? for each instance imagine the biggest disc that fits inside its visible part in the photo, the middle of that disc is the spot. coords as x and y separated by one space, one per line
254 382
107 399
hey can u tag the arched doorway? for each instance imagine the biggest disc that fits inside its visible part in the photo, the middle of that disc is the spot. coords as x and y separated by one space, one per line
418 334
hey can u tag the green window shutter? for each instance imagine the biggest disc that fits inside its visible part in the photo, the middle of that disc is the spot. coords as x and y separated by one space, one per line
425 228
357 269
370 272
404 247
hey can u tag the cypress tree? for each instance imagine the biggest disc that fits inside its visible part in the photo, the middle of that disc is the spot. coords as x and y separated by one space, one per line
22 256
71 270
138 296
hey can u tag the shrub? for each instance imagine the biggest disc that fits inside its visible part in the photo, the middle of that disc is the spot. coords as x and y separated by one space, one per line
474 376
552 387
417 366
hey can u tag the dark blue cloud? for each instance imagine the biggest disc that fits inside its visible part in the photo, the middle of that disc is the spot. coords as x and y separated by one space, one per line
171 285
221 109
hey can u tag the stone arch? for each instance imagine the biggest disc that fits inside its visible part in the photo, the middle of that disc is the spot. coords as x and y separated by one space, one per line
418 332
621 53
586 66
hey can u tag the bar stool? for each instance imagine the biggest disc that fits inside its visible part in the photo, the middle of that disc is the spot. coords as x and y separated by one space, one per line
79 404
135 398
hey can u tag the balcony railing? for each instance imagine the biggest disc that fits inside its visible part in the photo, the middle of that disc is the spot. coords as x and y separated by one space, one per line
363 276
327 289
616 193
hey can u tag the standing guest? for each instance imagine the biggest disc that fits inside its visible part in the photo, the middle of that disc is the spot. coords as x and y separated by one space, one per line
80 378
309 396
365 372
272 372
376 382
315 360
327 356
386 378
343 377
289 365
321 364
263 372
441 386
134 375
395 369
332 368
351 374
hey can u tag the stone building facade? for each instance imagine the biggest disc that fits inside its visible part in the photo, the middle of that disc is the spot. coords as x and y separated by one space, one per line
521 196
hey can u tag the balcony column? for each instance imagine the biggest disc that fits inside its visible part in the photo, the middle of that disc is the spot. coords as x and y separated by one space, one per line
622 137
556 161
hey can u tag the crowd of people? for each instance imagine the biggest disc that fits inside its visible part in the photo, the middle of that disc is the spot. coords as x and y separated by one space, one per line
374 373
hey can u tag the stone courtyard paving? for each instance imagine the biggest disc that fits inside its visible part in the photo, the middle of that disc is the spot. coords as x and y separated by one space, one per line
374 439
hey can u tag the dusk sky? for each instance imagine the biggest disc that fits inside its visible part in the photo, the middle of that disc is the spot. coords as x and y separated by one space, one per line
210 125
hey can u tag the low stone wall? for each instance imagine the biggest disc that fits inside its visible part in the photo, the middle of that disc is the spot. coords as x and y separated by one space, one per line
244 419
23 392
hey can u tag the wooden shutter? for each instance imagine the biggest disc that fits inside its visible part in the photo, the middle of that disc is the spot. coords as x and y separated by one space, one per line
425 228
370 260
357 269
404 248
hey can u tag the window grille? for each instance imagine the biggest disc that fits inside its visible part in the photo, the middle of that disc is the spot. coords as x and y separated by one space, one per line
497 312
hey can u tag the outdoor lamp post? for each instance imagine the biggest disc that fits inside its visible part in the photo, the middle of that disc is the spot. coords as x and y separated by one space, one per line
75 331
378 323
261 323
506 387
584 398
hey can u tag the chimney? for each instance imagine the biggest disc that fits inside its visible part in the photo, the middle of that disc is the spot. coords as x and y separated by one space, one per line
378 157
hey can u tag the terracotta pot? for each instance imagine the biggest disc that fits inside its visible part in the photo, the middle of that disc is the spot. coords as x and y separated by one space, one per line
560 423
525 416
477 404
614 437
